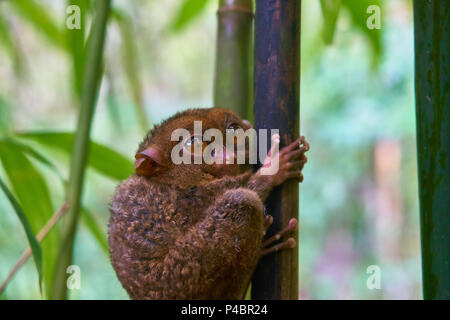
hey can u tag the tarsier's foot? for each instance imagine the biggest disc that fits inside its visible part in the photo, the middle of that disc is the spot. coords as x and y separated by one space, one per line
290 162
287 244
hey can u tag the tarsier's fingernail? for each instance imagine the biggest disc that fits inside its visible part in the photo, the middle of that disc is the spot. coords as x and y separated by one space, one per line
306 144
291 243
293 224
276 138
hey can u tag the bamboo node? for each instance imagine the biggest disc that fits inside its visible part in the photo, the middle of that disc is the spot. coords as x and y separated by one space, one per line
234 8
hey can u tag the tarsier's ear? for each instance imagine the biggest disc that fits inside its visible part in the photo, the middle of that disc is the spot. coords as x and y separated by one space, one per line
148 161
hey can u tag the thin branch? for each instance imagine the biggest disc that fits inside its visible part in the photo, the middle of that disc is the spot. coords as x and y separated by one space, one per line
27 253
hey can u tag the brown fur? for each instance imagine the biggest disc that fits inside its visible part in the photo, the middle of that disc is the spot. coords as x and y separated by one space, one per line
188 231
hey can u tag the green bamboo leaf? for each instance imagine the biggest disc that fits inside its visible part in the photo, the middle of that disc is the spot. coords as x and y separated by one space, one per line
88 218
330 12
359 15
7 41
38 16
111 101
187 12
31 190
37 155
131 66
76 44
34 244
5 114
93 226
101 158
70 40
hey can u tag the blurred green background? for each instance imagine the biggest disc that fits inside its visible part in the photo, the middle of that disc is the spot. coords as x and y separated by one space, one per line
358 203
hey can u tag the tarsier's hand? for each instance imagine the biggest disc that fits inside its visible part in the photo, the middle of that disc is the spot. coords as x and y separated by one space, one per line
289 160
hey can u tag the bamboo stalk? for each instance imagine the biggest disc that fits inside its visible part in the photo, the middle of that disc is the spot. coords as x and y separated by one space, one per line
432 80
27 253
232 82
91 81
277 86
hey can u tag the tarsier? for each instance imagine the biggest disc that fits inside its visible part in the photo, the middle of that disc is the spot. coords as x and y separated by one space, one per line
195 231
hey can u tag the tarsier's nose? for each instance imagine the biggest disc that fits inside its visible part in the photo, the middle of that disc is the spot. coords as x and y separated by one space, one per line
224 156
228 156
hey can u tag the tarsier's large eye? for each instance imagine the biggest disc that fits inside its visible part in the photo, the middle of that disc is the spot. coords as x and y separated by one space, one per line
235 130
195 144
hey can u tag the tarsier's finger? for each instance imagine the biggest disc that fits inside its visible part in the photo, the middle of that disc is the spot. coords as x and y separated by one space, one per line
296 153
304 142
292 146
275 146
292 226
288 244
299 164
297 174
268 220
